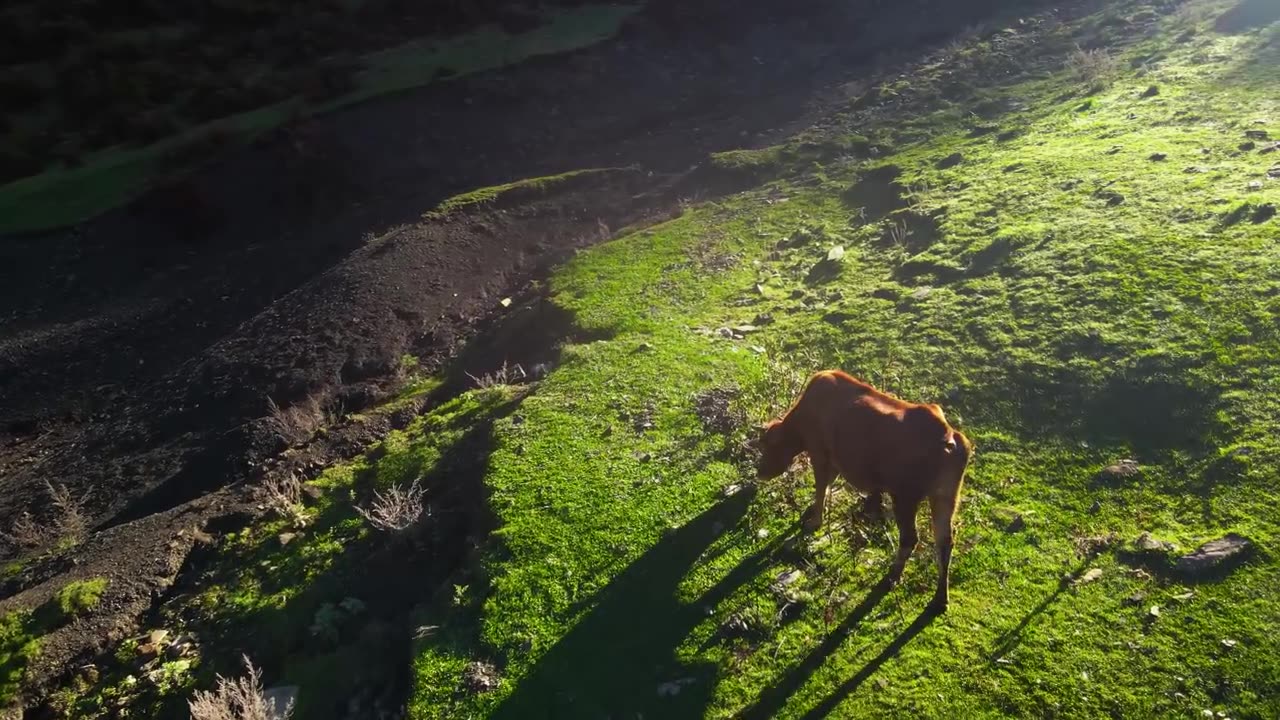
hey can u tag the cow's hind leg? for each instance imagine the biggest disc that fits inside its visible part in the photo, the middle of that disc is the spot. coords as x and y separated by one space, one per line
942 507
904 513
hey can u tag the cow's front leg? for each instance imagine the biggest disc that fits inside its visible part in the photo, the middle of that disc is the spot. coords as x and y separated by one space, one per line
823 473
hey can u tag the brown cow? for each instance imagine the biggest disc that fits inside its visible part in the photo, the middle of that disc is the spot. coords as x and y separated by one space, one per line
880 444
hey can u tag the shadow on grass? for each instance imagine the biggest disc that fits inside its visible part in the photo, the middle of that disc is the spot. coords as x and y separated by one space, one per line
1152 404
618 660
824 708
1010 640
775 697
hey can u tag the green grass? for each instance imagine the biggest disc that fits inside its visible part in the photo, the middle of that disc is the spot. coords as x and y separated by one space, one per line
107 179
17 646
21 630
518 190
80 597
1061 330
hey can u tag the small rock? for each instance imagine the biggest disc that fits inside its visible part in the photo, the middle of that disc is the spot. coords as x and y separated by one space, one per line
836 253
1146 543
788 577
644 347
762 319
1096 507
147 651
1090 576
744 329
286 538
731 490
797 294
157 637
1254 185
1274 172
1154 612
480 677
1018 524
182 646
950 161
505 302
281 701
1183 597
1257 134
725 333
1247 145
921 293
1214 554
1157 157
759 288
1135 599
1126 469
1112 197
882 683
1228 643
1114 149
1151 91
671 689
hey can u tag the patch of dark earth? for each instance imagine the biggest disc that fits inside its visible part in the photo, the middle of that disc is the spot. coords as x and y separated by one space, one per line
140 353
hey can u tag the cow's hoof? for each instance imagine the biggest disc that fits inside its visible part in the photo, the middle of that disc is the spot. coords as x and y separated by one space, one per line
811 520
937 606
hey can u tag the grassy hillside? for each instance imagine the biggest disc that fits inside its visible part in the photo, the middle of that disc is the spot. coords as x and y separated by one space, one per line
1085 276
1062 230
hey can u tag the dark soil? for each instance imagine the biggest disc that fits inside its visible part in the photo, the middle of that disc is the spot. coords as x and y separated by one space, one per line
140 353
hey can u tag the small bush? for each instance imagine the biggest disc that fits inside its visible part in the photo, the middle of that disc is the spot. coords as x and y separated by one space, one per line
505 375
396 511
237 699
1094 67
283 495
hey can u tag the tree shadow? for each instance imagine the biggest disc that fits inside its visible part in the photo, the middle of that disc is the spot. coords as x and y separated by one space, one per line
621 659
775 697
1151 404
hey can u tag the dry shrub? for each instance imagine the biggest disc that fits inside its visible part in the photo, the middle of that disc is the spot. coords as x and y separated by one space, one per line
298 423
505 375
25 534
1094 67
283 495
68 524
397 510
237 699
